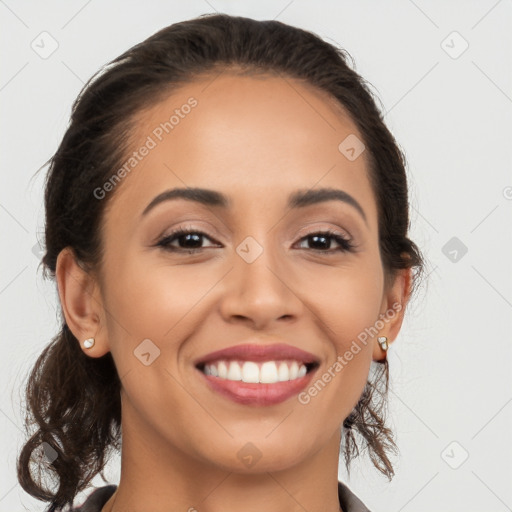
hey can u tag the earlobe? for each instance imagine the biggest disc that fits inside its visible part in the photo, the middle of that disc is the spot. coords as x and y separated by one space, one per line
80 302
392 313
380 348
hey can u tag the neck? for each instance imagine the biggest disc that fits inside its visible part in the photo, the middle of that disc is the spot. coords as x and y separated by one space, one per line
157 476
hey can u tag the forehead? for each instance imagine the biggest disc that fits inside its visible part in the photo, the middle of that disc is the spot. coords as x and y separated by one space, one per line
253 137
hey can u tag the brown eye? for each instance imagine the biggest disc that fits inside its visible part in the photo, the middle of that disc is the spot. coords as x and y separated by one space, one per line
323 241
188 240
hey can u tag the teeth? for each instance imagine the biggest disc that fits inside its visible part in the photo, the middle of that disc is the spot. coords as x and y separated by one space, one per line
234 372
222 369
284 373
250 372
267 372
294 370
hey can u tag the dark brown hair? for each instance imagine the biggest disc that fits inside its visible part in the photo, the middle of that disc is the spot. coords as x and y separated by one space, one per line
74 400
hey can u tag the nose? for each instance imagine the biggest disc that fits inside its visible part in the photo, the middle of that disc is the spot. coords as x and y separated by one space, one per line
260 293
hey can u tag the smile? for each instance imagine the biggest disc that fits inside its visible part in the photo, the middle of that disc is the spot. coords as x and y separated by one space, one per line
257 383
267 372
257 374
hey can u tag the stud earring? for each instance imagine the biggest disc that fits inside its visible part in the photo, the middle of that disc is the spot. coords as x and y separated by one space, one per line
88 343
383 342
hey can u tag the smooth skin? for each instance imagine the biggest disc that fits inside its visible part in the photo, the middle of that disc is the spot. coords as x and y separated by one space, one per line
256 140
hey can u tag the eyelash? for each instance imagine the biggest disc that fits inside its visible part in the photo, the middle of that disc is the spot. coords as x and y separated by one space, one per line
345 244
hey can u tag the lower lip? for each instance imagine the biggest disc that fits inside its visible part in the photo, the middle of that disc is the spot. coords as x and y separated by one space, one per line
249 393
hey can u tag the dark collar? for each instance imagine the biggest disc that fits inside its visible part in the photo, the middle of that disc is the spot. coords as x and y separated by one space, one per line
349 502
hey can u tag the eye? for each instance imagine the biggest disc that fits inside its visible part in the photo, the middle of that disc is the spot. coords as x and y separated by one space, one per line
188 240
323 240
191 241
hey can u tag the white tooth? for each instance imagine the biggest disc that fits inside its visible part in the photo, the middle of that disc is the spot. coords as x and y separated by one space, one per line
284 373
268 373
294 370
250 372
234 372
222 370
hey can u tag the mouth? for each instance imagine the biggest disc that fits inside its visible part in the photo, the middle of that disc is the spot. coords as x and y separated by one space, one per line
267 372
258 375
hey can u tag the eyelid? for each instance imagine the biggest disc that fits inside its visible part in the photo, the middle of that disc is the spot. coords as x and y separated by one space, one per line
304 232
311 229
345 241
210 231
176 232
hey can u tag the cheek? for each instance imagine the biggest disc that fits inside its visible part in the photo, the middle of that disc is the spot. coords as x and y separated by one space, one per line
354 311
152 295
346 303
148 298
346 310
347 300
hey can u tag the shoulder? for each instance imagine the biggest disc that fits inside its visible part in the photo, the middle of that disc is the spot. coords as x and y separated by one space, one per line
349 502
97 499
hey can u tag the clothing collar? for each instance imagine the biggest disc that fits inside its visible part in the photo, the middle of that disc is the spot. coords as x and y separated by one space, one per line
349 502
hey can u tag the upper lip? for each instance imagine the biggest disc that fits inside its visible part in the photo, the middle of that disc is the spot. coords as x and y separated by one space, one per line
257 352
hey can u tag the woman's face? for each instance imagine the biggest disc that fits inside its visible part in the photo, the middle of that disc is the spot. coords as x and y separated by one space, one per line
258 274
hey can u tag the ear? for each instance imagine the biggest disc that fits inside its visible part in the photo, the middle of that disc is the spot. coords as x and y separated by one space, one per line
392 310
81 303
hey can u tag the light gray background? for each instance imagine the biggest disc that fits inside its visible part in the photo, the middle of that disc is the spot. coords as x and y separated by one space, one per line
451 389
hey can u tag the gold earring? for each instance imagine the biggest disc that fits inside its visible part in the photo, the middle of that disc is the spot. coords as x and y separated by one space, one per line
383 342
88 343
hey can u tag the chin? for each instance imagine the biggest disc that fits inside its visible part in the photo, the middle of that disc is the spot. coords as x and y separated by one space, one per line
253 458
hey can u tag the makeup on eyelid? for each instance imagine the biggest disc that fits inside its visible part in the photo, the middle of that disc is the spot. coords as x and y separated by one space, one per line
345 244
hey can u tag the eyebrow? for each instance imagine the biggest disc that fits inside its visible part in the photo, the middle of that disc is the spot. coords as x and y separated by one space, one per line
298 199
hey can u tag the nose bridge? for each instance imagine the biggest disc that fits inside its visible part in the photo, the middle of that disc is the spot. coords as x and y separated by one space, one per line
257 250
258 287
257 261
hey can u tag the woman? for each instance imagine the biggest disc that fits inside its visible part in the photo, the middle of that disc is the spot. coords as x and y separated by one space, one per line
226 221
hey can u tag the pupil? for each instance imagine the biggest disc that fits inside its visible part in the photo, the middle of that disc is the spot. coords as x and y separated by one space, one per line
321 237
196 241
